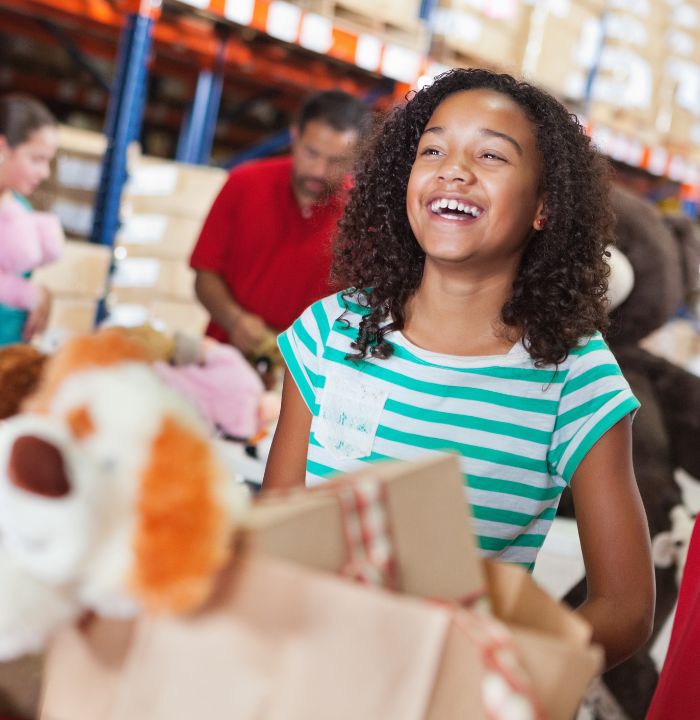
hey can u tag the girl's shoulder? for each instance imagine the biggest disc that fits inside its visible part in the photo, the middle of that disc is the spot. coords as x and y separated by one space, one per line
590 347
590 353
347 306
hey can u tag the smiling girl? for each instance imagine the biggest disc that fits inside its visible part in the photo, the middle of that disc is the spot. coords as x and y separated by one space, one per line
473 248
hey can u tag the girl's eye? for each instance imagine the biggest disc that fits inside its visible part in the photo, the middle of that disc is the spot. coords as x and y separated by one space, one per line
430 151
492 156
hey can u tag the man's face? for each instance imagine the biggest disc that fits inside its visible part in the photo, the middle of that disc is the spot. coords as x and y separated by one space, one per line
322 157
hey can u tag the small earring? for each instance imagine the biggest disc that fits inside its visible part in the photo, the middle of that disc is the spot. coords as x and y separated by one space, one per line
540 223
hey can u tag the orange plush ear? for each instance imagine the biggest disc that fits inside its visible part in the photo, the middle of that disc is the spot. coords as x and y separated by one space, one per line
181 536
107 347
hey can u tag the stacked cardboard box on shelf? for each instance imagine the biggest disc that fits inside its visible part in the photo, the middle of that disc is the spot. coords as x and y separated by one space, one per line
393 21
480 33
678 119
77 282
562 43
626 89
636 64
163 207
75 178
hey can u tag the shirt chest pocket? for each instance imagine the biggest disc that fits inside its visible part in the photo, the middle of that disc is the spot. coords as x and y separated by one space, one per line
349 416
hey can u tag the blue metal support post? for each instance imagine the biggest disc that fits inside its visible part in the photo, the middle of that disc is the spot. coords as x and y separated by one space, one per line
123 123
197 133
122 126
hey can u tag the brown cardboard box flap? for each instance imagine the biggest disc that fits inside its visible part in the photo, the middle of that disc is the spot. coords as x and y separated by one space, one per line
429 518
518 600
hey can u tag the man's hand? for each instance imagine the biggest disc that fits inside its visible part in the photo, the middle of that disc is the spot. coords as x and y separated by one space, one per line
39 316
248 332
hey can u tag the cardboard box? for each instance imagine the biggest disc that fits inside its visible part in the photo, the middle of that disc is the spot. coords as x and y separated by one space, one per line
152 276
71 315
159 235
401 13
78 161
189 318
476 38
171 188
428 517
281 642
561 48
83 270
278 640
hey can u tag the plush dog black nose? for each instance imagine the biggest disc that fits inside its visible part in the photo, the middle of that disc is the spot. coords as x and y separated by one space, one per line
36 466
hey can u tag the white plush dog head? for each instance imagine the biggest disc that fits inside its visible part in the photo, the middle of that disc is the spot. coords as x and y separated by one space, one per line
109 484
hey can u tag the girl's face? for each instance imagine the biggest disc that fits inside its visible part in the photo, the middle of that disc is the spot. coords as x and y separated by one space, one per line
473 193
24 167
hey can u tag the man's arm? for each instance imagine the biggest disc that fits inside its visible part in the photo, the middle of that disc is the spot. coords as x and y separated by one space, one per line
245 330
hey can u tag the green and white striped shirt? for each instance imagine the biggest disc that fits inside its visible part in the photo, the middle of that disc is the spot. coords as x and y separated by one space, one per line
520 431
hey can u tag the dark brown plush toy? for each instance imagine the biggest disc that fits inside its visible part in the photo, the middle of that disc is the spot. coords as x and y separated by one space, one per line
665 255
20 368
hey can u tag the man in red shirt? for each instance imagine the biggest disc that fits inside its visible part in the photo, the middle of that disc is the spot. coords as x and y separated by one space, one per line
264 251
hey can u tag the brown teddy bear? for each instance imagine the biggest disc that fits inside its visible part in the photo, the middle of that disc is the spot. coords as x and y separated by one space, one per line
664 255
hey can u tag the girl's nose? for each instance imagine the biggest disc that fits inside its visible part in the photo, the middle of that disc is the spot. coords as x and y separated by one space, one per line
455 172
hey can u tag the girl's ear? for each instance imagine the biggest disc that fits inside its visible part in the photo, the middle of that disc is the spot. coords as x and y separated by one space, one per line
540 220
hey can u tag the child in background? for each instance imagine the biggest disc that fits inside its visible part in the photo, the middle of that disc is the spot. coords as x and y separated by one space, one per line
473 249
28 142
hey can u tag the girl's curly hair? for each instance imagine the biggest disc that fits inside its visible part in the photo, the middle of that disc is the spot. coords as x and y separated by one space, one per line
559 293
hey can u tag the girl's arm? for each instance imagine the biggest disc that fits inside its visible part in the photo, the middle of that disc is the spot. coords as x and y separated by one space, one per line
616 547
286 463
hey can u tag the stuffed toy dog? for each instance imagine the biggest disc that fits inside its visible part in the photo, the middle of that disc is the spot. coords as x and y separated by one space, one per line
112 497
663 257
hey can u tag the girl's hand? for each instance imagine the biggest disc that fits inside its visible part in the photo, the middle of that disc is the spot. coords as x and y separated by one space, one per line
39 317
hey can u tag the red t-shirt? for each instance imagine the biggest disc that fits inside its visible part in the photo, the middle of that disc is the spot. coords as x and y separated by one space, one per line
275 261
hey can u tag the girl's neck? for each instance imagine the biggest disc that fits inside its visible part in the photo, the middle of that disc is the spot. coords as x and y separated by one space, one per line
454 315
5 195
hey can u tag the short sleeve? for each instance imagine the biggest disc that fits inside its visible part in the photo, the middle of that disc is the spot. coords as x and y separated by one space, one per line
594 397
302 346
210 252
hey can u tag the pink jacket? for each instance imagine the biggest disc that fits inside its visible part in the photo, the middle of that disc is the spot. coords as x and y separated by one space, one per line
27 240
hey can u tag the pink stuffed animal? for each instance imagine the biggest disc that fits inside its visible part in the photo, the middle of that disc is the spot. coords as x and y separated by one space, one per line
223 385
27 240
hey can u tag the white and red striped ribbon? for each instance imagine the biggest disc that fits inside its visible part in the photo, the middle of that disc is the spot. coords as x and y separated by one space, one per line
367 533
507 690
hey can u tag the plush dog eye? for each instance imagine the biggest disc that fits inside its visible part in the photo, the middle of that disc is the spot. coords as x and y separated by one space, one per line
36 465
80 422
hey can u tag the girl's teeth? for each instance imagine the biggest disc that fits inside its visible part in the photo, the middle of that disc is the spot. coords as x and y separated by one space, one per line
444 204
